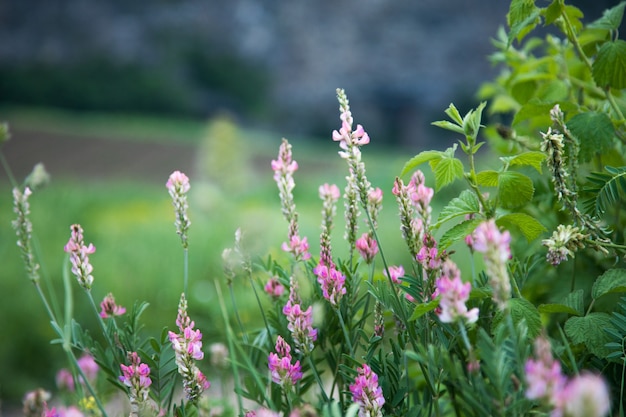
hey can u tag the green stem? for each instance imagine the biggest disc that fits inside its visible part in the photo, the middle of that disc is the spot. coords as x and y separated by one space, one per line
317 378
345 330
244 335
258 301
7 169
185 270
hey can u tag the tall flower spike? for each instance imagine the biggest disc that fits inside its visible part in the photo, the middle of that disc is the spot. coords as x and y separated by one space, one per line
495 246
24 229
366 392
543 374
411 227
284 168
283 371
300 322
187 347
178 186
136 377
454 294
329 195
79 256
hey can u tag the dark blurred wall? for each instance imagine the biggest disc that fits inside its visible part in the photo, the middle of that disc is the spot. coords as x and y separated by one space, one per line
274 63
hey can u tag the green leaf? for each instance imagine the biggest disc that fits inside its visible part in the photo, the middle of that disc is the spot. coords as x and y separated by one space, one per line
514 189
454 114
595 133
521 310
458 232
606 189
446 170
609 67
533 159
537 108
573 304
611 19
419 159
553 12
612 281
530 227
471 121
424 308
590 330
488 178
523 16
444 124
465 203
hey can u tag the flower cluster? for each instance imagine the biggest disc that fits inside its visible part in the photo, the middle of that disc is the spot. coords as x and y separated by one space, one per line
108 307
187 346
332 282
454 294
488 239
367 247
24 230
178 186
79 256
366 392
300 322
136 377
274 288
88 367
553 146
329 195
283 371
563 243
584 395
284 168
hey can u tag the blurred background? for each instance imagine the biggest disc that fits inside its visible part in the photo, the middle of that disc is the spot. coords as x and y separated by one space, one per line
112 96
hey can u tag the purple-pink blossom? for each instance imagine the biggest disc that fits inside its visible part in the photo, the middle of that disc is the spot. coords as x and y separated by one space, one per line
332 282
136 376
300 322
585 395
283 371
494 244
178 185
544 378
108 307
298 247
454 294
274 288
366 392
367 247
395 273
79 256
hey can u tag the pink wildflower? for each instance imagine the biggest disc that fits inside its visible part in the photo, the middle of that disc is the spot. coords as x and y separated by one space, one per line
454 294
366 392
585 395
65 380
187 346
329 195
283 371
274 288
24 229
495 245
329 192
375 200
428 255
332 282
297 246
178 186
136 377
367 247
79 256
543 374
411 227
300 322
109 308
395 273
88 365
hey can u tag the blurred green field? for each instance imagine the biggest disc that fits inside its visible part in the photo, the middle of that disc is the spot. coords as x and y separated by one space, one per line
130 222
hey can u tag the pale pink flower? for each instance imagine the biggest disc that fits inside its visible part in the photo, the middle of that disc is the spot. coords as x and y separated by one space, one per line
332 282
300 322
297 246
178 185
375 205
274 288
187 347
585 395
283 371
79 256
329 192
136 376
454 294
367 247
24 229
495 245
88 365
544 378
366 392
428 255
65 380
395 273
109 308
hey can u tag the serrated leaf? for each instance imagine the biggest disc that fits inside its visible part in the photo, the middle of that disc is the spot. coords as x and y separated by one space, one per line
595 133
514 189
533 159
521 310
458 232
488 178
611 19
419 159
446 171
523 16
536 108
444 124
530 227
465 203
590 331
612 281
424 308
557 308
609 67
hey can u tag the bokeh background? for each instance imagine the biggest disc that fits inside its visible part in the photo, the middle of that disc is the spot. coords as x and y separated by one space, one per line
112 96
